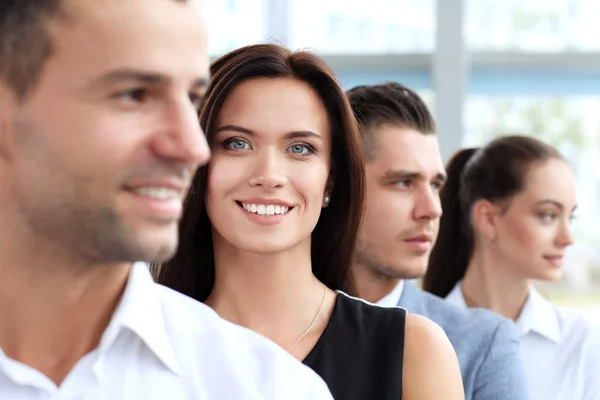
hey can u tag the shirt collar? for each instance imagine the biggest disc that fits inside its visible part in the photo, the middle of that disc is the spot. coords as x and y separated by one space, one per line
538 314
140 311
392 299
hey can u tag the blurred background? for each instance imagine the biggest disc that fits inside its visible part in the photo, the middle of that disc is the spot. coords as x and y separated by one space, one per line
485 67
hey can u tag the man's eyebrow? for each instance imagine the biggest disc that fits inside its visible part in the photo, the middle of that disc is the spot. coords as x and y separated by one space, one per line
398 174
128 74
141 76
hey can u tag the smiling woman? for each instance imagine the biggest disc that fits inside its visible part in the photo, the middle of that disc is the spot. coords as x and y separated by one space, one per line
269 230
271 148
281 133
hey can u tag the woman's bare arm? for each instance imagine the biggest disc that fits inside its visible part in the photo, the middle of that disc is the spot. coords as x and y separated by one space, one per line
431 368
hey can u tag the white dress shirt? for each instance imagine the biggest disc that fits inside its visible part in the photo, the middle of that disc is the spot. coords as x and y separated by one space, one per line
392 298
162 345
560 349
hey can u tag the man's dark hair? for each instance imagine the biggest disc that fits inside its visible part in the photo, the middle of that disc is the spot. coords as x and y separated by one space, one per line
388 103
25 43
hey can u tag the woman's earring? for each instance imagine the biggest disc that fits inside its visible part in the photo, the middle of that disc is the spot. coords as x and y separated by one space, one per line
326 201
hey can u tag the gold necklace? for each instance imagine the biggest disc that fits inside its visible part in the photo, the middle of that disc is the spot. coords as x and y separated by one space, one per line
313 321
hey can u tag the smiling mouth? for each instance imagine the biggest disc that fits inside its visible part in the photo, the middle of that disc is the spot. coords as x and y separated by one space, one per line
157 193
266 210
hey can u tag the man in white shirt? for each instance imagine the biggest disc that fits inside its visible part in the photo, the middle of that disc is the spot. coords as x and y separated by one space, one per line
99 140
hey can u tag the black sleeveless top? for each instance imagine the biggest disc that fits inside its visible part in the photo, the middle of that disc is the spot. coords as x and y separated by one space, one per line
361 351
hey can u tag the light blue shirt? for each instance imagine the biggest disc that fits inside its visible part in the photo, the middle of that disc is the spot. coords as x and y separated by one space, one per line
486 345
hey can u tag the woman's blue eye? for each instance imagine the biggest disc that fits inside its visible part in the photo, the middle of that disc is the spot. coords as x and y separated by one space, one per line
237 144
300 149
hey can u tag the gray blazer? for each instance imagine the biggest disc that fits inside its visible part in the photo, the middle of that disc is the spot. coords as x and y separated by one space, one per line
486 345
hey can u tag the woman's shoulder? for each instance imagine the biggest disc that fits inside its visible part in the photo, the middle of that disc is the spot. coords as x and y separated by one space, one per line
423 329
431 366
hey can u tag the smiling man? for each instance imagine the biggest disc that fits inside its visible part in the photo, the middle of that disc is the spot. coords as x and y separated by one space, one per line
404 175
99 139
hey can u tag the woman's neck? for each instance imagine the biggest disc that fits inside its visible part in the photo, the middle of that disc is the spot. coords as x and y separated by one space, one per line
274 294
489 285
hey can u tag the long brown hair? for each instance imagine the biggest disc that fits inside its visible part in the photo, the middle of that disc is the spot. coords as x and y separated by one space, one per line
192 270
496 173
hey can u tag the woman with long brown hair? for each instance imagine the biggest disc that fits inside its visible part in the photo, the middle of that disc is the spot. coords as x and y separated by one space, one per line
506 222
269 230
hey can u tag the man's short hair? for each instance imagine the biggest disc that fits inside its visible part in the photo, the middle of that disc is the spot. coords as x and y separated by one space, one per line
388 103
25 43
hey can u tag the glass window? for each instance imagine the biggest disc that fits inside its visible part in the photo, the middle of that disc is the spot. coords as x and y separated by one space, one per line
533 25
232 5
233 24
355 26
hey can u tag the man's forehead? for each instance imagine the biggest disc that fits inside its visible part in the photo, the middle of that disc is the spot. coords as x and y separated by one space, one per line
405 148
95 5
116 17
128 35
